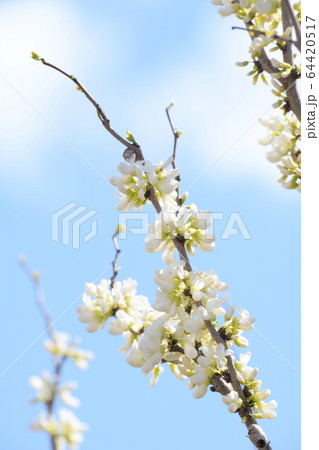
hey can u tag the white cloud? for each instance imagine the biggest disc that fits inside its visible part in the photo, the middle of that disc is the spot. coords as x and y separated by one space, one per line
59 33
215 102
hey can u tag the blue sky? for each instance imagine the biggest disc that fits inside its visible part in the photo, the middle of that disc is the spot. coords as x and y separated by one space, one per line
134 56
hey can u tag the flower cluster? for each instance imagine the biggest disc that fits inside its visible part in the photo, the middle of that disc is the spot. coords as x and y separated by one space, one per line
265 15
246 375
188 327
179 289
284 137
175 331
120 301
60 346
46 386
137 178
64 427
263 20
186 224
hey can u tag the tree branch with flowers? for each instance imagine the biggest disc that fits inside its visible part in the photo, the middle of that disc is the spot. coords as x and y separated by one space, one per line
274 27
60 423
191 327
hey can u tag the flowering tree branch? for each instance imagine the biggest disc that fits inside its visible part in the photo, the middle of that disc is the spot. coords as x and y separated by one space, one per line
158 186
262 20
289 82
66 429
34 277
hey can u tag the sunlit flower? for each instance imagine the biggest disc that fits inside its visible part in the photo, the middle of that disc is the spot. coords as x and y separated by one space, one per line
136 180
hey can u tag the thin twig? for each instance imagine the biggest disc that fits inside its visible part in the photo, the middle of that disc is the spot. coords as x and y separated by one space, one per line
101 114
34 277
115 260
176 134
258 33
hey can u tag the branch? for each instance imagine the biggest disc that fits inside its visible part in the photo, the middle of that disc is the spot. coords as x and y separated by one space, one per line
101 114
232 371
286 22
218 384
176 134
178 244
34 277
116 258
289 83
258 33
287 10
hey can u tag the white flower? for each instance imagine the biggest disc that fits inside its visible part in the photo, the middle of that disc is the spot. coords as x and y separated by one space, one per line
200 375
243 321
66 396
257 45
284 136
190 351
227 9
138 177
156 373
192 323
200 391
60 347
266 6
66 429
185 224
150 344
129 309
135 356
70 428
123 323
96 312
44 385
266 409
45 423
233 401
221 353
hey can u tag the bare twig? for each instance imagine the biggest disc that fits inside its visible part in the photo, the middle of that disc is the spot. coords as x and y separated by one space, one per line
255 33
249 420
34 276
101 114
116 258
176 134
